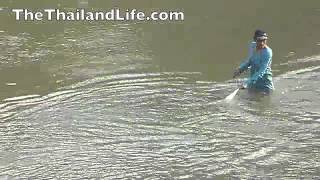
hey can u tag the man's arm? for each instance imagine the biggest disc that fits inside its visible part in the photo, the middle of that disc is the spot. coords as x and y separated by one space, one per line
246 63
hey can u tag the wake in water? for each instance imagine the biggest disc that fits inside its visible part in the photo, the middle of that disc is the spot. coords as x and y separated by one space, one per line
165 125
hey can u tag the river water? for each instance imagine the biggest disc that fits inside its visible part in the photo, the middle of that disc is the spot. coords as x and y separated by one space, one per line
137 100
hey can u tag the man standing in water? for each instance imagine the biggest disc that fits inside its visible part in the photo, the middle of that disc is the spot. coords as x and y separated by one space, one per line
259 61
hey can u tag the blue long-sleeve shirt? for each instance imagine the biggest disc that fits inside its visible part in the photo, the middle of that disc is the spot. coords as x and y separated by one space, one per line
260 68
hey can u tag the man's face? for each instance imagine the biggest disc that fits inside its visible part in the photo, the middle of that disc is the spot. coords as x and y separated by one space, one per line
261 43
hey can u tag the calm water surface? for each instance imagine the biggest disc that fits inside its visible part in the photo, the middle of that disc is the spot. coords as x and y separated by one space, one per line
145 100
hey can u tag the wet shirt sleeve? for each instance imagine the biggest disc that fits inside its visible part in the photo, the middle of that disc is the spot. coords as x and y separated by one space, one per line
266 58
246 64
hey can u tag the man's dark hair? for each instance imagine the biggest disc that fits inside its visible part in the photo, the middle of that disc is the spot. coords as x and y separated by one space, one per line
259 33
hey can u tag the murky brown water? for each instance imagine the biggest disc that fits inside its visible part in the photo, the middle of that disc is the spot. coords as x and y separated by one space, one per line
145 100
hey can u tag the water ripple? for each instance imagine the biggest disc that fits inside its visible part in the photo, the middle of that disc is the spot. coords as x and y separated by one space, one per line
156 125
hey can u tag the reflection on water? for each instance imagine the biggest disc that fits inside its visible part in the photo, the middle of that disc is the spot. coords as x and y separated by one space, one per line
136 100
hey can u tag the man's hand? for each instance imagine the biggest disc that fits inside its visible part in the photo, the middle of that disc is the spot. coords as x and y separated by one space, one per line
236 73
243 86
